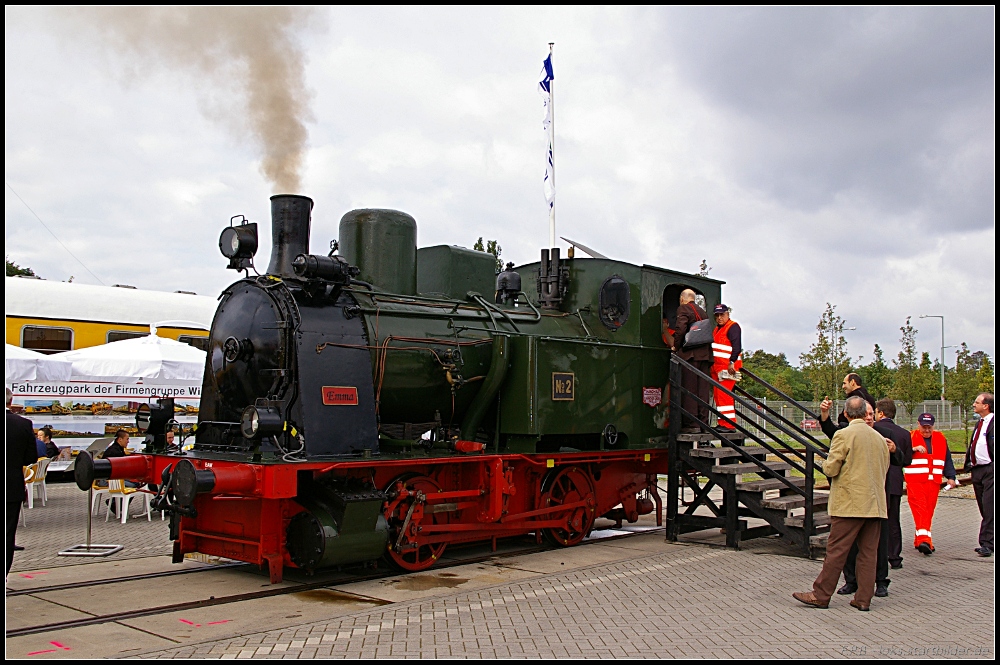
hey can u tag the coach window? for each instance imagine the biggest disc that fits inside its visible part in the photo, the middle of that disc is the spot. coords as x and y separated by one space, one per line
119 335
196 342
46 340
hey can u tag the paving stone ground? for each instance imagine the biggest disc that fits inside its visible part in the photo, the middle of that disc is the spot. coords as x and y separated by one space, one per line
673 600
62 523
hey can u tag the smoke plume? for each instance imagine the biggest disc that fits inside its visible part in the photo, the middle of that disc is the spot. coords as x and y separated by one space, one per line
249 53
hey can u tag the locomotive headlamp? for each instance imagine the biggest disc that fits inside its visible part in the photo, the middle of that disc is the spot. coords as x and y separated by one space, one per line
238 242
152 419
258 421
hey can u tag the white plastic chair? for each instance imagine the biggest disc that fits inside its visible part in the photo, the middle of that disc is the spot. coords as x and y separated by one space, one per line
95 503
117 491
34 478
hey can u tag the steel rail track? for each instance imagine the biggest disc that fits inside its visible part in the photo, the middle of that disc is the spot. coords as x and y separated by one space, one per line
253 595
128 578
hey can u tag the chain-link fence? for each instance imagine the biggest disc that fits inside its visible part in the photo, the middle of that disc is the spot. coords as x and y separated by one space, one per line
946 414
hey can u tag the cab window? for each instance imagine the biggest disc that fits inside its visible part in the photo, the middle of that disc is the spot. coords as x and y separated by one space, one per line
615 303
47 340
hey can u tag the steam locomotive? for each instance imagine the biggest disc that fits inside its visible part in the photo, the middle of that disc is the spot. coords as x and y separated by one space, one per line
383 401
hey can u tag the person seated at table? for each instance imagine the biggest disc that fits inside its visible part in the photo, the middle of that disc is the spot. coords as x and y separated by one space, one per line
51 449
117 449
39 445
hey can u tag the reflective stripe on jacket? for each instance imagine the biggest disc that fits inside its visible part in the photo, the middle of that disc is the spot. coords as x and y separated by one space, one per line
927 466
722 349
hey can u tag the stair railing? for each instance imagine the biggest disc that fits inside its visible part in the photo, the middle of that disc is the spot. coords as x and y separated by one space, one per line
801 459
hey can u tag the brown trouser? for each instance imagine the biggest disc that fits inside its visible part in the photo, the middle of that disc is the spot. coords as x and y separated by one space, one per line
844 531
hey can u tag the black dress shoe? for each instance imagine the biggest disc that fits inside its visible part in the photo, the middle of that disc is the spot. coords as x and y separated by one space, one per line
847 589
924 549
881 590
896 566
20 548
982 551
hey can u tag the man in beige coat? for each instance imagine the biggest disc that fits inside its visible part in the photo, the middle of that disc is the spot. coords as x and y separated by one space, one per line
857 465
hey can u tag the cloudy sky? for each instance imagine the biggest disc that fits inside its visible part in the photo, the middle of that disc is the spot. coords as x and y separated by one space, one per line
810 155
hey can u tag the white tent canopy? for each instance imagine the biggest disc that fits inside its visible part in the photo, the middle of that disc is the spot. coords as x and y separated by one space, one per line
149 359
26 365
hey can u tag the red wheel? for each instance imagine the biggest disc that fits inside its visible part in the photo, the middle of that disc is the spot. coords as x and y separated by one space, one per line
405 512
569 485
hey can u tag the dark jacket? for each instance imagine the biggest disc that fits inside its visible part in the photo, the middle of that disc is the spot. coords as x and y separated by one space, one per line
114 450
897 460
51 449
685 317
20 453
989 446
829 428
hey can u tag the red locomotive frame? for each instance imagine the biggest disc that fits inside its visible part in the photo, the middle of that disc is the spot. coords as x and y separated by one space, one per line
430 504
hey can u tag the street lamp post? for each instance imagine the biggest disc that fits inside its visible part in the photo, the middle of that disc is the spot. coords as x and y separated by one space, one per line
939 316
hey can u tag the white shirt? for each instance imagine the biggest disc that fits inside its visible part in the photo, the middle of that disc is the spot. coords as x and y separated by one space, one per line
982 452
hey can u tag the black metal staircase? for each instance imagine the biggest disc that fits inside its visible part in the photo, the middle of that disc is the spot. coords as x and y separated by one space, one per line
777 454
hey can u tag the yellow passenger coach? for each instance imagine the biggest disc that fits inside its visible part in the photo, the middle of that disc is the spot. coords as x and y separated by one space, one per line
50 317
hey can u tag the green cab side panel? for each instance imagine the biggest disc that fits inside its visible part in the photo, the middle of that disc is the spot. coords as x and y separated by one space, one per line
454 271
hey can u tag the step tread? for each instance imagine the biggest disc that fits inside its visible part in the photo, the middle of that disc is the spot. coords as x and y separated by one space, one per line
696 438
795 501
769 484
748 467
820 539
819 519
726 451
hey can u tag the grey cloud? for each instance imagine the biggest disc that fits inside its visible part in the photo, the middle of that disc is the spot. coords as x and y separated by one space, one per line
832 101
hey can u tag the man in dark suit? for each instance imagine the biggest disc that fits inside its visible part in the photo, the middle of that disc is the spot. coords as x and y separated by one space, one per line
701 357
20 453
979 460
890 542
852 388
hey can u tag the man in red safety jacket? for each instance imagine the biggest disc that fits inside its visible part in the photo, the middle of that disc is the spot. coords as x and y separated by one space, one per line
727 360
931 462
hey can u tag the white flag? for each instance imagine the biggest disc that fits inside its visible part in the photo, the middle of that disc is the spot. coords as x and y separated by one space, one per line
545 88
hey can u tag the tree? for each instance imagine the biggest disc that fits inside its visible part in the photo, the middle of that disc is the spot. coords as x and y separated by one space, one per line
963 383
13 269
927 378
827 362
877 376
907 387
776 370
492 247
984 377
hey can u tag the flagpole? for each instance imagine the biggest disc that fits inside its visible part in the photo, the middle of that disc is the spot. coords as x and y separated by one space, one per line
552 142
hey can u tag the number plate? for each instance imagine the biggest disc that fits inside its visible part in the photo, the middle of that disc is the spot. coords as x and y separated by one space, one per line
563 386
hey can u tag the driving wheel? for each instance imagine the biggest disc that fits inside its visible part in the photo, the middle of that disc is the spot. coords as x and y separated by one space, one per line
569 485
405 513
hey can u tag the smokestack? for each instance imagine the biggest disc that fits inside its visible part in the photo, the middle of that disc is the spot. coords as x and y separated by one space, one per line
290 218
